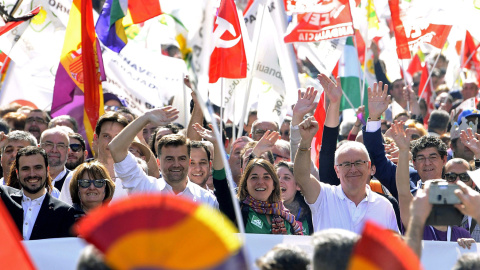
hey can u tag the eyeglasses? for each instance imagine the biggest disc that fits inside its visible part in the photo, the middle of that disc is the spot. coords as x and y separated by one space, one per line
275 156
260 131
452 177
347 165
111 108
85 183
422 159
35 119
49 146
285 133
76 147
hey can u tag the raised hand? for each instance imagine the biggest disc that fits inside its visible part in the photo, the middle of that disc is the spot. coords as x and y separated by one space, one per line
378 100
205 133
163 116
308 129
409 95
304 104
266 143
470 201
332 90
471 140
399 136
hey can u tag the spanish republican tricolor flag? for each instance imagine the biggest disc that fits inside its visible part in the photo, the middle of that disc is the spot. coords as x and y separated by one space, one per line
380 248
78 91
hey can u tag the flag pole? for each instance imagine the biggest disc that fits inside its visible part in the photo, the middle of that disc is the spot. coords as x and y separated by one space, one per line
465 64
256 39
359 72
185 103
430 74
221 104
208 113
402 67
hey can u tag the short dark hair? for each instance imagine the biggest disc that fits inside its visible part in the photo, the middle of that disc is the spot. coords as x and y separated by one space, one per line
78 137
173 140
4 127
283 257
332 248
45 114
200 144
31 151
438 120
126 110
173 128
110 117
428 142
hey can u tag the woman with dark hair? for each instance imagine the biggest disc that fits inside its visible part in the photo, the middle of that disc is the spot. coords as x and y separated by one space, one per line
259 194
90 187
292 197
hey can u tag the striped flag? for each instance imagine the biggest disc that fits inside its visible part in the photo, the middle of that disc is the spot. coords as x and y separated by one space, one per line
78 91
117 14
350 72
379 248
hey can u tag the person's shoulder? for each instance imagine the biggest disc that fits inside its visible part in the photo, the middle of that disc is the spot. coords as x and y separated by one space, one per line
8 190
58 204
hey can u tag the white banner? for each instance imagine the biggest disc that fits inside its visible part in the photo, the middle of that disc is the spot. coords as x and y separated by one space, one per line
63 253
143 78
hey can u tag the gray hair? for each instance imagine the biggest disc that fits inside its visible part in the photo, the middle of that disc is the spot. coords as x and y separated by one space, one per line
332 249
59 129
283 146
20 135
468 261
53 122
91 259
350 145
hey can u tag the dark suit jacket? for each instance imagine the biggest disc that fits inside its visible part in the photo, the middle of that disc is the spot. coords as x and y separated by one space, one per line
54 219
14 208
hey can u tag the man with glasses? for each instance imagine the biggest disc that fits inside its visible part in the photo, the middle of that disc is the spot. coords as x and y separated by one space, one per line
281 151
348 205
456 170
77 153
36 122
259 127
13 142
56 143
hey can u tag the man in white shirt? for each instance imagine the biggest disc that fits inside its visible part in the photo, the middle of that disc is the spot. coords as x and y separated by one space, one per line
43 215
10 145
173 154
56 143
349 205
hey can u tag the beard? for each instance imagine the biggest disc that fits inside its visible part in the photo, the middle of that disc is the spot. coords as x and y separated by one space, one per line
74 164
30 190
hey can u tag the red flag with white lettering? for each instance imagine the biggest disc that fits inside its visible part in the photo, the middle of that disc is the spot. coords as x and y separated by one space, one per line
332 20
409 38
228 59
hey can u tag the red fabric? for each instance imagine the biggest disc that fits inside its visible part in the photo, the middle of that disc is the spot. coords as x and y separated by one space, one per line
471 49
249 4
379 248
12 253
415 66
90 68
310 28
228 59
10 25
426 94
360 45
403 51
319 115
142 10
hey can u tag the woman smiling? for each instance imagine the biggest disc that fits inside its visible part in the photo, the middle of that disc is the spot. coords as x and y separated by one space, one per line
91 186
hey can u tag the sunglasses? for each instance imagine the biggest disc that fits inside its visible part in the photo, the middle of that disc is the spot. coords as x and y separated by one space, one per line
452 177
76 147
85 183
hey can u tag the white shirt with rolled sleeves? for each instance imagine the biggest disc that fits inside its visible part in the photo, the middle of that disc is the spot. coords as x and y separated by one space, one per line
135 180
333 209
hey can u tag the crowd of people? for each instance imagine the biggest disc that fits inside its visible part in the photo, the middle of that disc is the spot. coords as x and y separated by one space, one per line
379 171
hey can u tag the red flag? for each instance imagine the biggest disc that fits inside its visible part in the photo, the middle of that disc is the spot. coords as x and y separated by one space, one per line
334 21
12 253
470 52
320 114
415 66
379 248
409 38
228 59
360 45
426 94
144 10
400 37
